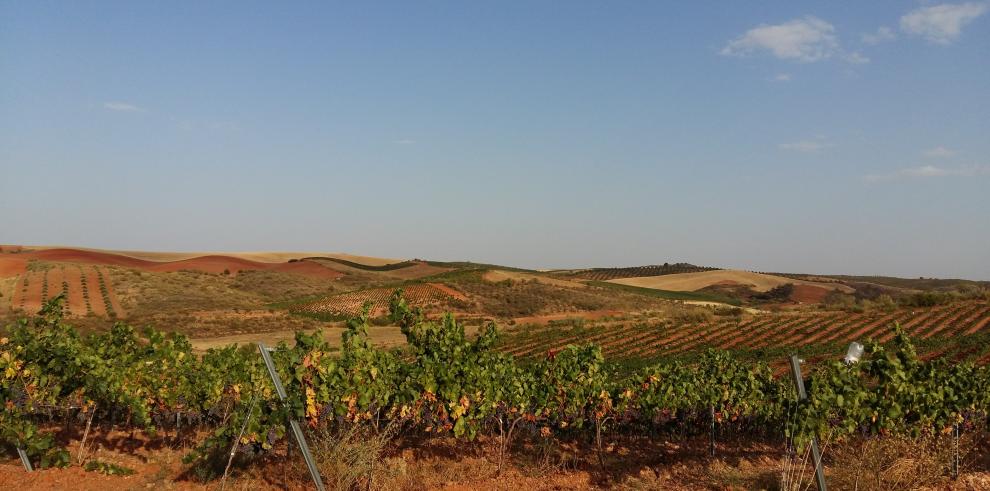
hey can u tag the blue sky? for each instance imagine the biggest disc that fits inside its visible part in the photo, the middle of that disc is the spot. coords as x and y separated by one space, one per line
777 136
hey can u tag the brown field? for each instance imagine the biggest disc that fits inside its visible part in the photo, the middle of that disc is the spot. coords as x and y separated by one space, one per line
497 275
689 282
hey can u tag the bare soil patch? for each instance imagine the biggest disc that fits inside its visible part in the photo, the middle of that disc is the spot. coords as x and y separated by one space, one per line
809 293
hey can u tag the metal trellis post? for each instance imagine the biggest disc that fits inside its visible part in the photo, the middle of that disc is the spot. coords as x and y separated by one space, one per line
293 424
25 460
816 453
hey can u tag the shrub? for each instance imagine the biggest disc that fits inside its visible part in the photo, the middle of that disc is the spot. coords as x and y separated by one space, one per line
692 316
837 300
928 299
883 302
780 293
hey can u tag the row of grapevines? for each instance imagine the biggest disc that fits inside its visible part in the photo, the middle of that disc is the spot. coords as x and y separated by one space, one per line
444 382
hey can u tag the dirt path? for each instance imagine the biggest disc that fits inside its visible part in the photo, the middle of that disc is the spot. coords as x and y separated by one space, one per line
114 301
93 289
980 324
75 301
32 300
17 293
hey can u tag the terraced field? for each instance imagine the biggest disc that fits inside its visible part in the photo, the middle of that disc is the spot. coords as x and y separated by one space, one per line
805 332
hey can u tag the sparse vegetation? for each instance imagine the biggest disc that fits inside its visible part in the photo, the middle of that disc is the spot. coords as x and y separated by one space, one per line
605 274
669 295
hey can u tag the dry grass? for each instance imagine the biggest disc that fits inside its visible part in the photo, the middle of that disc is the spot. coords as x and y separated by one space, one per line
895 462
352 457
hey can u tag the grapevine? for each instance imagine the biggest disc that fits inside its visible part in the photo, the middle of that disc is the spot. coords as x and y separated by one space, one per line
448 383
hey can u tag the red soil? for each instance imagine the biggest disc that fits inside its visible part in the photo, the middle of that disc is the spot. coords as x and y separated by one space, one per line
909 326
951 320
839 325
305 268
15 294
93 287
808 293
75 300
746 330
979 325
801 334
32 300
114 302
13 264
448 290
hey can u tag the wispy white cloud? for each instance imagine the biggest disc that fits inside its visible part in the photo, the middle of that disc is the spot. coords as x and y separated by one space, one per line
404 141
883 34
856 58
806 146
930 171
782 77
122 107
941 24
940 152
807 39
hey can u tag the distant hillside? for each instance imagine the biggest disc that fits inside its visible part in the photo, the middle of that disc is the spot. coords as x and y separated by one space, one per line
689 282
605 274
913 283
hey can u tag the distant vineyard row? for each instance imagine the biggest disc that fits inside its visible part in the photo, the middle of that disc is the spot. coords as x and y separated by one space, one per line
666 339
350 304
605 274
87 290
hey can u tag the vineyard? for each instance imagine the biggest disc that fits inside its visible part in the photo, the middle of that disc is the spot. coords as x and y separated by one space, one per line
86 289
351 303
670 339
605 274
447 384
